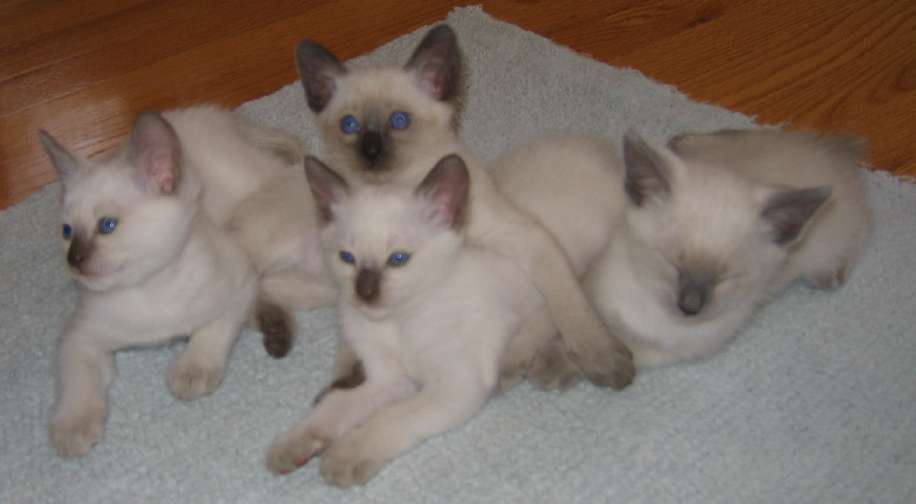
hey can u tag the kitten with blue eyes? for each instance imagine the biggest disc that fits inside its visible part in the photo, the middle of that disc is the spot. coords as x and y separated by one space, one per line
428 315
151 264
388 125
718 223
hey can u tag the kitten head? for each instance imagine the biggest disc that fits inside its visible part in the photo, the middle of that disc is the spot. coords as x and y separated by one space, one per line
386 244
709 241
375 121
122 219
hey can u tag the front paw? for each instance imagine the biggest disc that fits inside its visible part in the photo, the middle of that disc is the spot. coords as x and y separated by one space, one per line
73 433
189 379
350 461
551 369
292 450
606 362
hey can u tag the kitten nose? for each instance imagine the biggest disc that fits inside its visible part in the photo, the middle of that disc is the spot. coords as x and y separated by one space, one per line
691 300
367 285
77 253
371 145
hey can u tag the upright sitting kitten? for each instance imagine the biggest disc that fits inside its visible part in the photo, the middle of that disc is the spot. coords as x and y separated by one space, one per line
389 125
150 265
427 315
716 223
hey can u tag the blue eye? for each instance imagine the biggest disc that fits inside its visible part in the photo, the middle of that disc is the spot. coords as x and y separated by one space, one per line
107 225
347 257
398 258
68 232
399 120
349 124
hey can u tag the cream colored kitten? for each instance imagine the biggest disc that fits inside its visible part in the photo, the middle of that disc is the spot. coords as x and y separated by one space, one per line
151 265
390 124
716 223
427 315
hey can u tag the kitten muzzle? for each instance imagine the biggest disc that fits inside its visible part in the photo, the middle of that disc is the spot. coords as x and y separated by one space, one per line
78 253
368 283
372 147
691 299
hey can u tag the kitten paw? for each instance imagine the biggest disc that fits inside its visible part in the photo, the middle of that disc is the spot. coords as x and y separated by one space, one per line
551 369
607 362
291 451
191 380
827 279
349 462
74 434
276 325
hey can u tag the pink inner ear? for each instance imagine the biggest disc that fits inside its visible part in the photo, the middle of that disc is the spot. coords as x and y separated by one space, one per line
161 170
432 81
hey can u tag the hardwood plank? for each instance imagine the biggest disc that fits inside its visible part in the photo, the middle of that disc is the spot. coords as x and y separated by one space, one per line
84 69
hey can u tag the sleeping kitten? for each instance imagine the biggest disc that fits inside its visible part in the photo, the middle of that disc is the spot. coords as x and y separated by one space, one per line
716 223
388 125
150 265
427 315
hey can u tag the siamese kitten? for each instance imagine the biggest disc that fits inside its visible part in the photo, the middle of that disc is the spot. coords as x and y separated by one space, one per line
716 223
151 265
253 183
427 315
388 125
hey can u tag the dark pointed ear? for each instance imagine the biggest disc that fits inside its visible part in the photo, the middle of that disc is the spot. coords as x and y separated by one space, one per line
64 162
318 72
646 173
327 186
787 212
155 152
447 186
436 63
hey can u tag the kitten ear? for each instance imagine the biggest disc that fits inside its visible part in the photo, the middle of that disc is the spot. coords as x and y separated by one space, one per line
327 186
447 186
787 212
64 162
646 172
155 152
318 72
436 63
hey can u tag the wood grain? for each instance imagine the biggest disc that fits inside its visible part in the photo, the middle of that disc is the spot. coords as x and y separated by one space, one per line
83 70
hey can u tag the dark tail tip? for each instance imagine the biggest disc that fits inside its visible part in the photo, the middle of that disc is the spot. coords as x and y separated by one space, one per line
276 325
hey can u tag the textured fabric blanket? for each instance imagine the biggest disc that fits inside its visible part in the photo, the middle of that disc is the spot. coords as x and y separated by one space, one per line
815 402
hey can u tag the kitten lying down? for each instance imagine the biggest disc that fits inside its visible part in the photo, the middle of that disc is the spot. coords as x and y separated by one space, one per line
699 233
151 265
427 314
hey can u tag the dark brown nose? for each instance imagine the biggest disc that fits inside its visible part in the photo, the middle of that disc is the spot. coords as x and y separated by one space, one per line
78 252
367 285
371 146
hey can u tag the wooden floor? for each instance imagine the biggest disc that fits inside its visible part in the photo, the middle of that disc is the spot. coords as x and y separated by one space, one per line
83 69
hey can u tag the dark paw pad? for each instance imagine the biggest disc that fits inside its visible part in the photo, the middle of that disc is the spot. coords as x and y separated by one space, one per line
276 325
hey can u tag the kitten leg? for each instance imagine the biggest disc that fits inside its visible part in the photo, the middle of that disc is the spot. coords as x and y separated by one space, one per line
515 362
338 411
505 229
297 290
85 371
552 369
440 406
276 324
273 140
199 370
